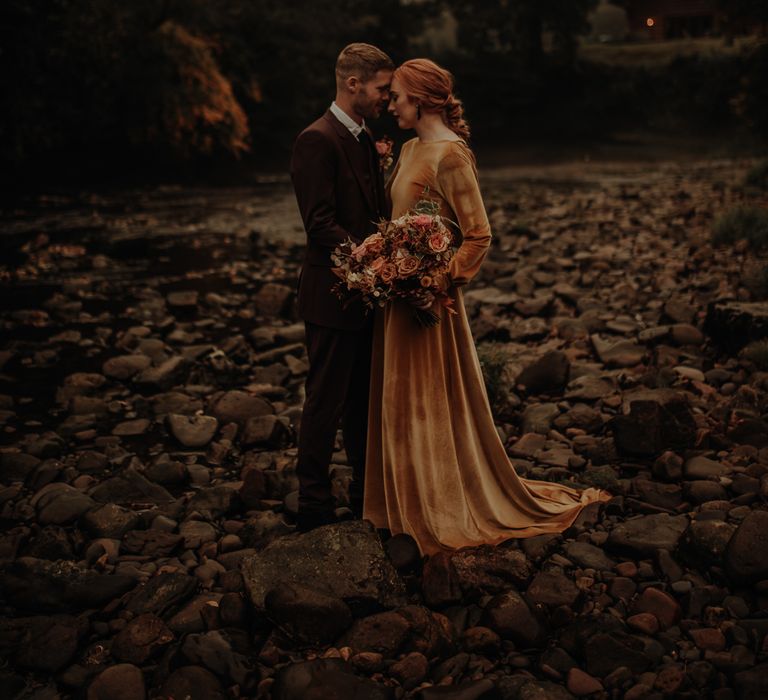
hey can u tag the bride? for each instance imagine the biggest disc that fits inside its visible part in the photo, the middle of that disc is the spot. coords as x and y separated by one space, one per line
435 466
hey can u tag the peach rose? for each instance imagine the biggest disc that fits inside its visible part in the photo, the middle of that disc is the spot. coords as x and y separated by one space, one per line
438 242
377 264
388 272
407 266
426 281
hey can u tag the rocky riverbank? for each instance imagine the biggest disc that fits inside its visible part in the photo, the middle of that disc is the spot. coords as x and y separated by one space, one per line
151 373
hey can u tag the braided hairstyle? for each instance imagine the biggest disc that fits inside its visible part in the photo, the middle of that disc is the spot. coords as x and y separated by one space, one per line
432 88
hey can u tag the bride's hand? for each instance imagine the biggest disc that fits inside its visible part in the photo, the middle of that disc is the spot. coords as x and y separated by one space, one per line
422 300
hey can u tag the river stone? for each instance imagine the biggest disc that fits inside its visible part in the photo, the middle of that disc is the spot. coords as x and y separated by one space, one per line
119 682
59 504
266 431
547 374
15 466
668 467
91 462
48 644
345 560
733 324
110 520
175 402
193 683
214 650
196 533
141 639
161 593
192 431
589 388
61 586
588 556
166 375
512 687
746 557
653 420
752 684
605 652
700 467
487 569
237 407
262 528
509 616
383 633
213 502
538 417
326 678
621 353
552 588
642 536
125 366
705 541
308 616
129 487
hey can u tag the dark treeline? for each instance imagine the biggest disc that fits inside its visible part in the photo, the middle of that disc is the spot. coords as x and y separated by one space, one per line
101 86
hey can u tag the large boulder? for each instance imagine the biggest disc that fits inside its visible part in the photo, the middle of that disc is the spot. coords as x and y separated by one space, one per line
746 556
326 678
345 560
733 324
654 420
645 535
61 586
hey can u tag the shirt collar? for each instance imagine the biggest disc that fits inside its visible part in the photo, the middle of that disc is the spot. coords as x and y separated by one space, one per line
346 120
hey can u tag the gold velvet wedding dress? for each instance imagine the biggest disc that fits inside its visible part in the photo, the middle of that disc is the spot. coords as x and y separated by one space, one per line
436 468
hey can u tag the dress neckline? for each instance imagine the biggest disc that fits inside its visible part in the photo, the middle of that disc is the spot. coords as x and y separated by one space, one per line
459 140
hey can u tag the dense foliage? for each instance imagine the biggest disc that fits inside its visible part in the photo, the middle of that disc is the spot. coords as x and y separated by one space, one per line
99 84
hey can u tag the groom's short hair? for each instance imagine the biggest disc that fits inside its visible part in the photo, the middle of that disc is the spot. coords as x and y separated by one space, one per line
362 61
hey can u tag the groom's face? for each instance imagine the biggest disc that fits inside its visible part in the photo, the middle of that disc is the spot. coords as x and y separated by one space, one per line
371 97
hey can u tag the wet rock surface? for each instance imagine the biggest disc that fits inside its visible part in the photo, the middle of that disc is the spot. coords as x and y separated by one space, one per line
151 374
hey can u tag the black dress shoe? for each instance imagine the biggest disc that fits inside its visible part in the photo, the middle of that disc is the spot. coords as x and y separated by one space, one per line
309 518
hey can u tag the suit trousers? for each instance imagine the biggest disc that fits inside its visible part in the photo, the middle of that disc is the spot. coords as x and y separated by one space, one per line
337 389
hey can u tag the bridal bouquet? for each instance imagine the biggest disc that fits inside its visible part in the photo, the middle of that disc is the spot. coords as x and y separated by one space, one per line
404 259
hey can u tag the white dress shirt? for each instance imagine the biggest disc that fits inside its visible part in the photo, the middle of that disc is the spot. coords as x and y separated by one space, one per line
354 128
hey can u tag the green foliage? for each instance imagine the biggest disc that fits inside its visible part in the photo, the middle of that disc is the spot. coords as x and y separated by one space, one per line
748 223
494 358
179 78
758 176
757 354
198 110
603 477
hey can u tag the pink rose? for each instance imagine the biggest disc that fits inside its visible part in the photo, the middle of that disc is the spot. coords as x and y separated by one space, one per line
438 242
359 251
408 265
382 148
422 220
388 272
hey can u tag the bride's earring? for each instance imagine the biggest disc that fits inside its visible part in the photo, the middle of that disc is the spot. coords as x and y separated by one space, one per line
418 111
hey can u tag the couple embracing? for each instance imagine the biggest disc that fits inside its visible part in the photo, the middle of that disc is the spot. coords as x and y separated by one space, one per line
411 402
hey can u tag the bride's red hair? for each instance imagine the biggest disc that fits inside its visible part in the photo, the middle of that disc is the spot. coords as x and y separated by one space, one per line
432 88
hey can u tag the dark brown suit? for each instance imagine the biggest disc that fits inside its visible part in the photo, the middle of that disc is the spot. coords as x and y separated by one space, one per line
340 193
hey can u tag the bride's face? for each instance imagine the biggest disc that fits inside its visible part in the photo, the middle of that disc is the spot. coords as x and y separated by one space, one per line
401 107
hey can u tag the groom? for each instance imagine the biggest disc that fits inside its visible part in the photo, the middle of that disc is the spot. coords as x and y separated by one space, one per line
340 192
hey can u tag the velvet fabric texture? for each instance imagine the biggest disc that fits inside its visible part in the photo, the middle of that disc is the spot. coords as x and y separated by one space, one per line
436 467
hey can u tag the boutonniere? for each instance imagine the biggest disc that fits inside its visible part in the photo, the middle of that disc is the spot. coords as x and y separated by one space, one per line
384 149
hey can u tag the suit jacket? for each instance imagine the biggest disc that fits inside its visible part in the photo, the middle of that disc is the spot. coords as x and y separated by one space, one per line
340 192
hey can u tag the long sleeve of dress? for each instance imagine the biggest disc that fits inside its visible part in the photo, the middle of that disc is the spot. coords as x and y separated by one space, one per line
457 180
